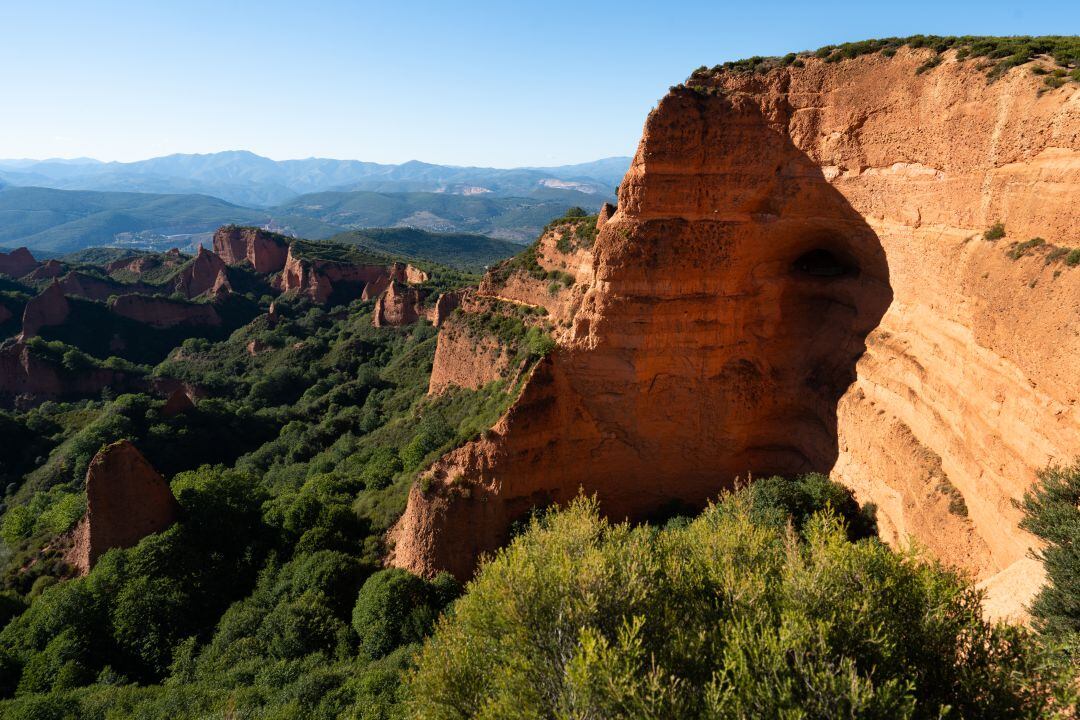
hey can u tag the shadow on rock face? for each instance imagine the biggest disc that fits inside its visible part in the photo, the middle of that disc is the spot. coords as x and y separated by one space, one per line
734 291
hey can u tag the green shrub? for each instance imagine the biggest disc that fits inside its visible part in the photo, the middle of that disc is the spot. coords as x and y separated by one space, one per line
1073 258
777 500
995 231
929 64
395 608
1020 249
1002 52
721 617
1052 513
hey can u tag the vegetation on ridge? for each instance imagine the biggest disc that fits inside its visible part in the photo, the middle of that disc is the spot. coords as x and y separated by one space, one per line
998 54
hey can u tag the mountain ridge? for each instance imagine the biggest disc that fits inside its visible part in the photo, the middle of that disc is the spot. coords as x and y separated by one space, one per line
245 178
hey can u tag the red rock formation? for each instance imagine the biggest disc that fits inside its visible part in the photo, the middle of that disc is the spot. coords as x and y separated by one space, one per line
446 303
415 276
317 278
47 271
206 273
255 347
179 402
80 284
795 280
50 307
17 263
265 251
27 379
144 263
463 359
272 315
375 288
398 305
606 211
163 312
126 500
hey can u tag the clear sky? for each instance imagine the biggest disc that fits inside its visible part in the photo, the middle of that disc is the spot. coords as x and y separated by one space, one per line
467 83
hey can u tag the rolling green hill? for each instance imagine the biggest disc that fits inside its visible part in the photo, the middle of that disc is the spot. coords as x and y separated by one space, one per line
69 220
61 221
461 251
510 218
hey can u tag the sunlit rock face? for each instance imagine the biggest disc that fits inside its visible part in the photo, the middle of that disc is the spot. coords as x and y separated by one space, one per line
794 280
126 500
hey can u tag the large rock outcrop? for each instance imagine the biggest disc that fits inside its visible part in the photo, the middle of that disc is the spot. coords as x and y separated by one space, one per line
17 263
134 267
318 278
126 500
49 307
444 305
81 284
207 273
795 279
46 271
163 312
263 250
399 305
27 379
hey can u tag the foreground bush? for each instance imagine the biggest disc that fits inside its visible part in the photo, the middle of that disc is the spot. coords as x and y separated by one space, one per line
1052 510
723 617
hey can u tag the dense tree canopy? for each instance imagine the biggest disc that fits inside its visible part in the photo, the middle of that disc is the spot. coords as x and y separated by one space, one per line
724 617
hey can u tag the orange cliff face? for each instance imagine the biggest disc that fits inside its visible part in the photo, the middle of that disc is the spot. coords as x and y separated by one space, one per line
398 305
795 280
264 251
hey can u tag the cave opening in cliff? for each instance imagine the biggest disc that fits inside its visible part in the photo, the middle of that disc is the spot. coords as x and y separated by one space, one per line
823 263
832 287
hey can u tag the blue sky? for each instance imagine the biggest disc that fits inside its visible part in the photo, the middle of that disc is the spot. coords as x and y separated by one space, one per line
479 83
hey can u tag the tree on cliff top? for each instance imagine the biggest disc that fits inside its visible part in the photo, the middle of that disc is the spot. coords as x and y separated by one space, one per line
723 617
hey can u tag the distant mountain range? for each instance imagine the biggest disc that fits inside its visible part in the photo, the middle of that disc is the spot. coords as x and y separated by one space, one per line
59 206
52 222
245 178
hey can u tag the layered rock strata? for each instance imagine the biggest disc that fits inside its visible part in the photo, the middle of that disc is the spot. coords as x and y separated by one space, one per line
796 279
